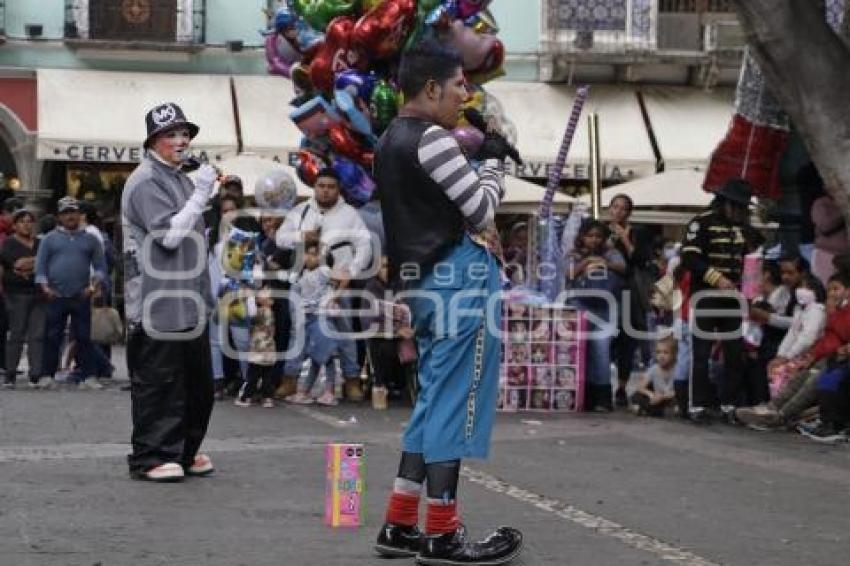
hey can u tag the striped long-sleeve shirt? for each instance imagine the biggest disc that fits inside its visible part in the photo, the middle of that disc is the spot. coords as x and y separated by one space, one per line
476 193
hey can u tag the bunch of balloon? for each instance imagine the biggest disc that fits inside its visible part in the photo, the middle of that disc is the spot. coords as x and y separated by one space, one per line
342 57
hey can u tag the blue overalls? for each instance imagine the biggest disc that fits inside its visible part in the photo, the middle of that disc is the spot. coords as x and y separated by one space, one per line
459 355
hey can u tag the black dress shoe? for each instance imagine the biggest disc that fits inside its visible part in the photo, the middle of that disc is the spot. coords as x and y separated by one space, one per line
449 549
398 541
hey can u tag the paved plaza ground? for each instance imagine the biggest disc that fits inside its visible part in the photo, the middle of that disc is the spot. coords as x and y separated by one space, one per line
585 489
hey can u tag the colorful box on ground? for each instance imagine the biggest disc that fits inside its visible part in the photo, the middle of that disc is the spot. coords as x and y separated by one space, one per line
345 485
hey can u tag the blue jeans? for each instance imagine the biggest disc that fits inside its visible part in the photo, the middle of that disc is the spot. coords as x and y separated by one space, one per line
347 347
683 355
58 311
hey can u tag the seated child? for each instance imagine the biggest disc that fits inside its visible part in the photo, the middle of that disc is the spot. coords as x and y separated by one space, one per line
799 391
833 390
655 393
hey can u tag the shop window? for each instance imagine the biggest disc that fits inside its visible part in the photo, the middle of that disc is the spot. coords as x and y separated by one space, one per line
129 21
149 20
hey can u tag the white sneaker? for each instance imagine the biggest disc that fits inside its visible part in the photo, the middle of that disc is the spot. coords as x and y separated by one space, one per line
201 466
169 472
91 384
46 382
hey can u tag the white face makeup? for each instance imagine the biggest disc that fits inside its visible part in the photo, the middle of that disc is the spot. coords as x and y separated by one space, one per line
172 144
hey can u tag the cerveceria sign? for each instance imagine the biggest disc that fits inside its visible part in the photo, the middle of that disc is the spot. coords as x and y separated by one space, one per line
98 153
541 169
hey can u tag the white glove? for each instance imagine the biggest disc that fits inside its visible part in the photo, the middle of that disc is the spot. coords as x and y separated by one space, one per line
204 182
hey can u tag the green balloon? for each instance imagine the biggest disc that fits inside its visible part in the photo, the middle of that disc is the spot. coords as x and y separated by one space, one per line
318 13
383 105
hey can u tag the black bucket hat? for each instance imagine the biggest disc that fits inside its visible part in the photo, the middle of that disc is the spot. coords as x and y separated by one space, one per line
737 191
166 117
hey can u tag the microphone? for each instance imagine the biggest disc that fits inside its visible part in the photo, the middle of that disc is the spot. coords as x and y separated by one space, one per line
189 162
477 121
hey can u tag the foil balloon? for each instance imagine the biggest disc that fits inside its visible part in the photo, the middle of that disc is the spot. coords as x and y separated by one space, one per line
469 139
483 22
426 15
357 84
336 54
315 117
300 75
383 106
319 13
295 30
346 144
275 190
468 8
357 186
381 32
280 55
482 54
366 5
308 166
356 115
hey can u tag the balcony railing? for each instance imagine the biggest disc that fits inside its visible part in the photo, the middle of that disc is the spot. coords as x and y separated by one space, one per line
602 27
694 6
630 29
139 24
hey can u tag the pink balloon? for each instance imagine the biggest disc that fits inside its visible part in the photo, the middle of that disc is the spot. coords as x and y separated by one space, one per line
280 55
469 139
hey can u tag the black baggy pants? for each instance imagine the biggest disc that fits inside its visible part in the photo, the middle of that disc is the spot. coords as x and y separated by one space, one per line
703 391
171 388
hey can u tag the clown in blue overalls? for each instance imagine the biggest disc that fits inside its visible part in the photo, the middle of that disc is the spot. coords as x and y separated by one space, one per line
435 205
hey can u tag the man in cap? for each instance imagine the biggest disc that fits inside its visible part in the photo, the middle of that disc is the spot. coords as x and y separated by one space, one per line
713 251
69 265
167 298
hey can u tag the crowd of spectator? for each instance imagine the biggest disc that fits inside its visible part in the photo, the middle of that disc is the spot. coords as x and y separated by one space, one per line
277 277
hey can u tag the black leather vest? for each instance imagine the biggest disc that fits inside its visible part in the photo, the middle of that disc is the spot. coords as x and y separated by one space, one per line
421 223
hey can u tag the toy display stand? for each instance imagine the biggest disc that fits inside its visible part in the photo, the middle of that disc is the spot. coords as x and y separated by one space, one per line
543 358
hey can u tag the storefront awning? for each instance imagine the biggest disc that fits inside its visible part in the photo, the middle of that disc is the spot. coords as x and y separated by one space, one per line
540 113
263 104
688 123
680 189
523 197
99 116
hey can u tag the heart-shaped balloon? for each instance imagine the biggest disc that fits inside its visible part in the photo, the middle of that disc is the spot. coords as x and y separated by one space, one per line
336 54
308 166
345 143
381 32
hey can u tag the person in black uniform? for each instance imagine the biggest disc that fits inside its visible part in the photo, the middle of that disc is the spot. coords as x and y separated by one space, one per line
713 251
